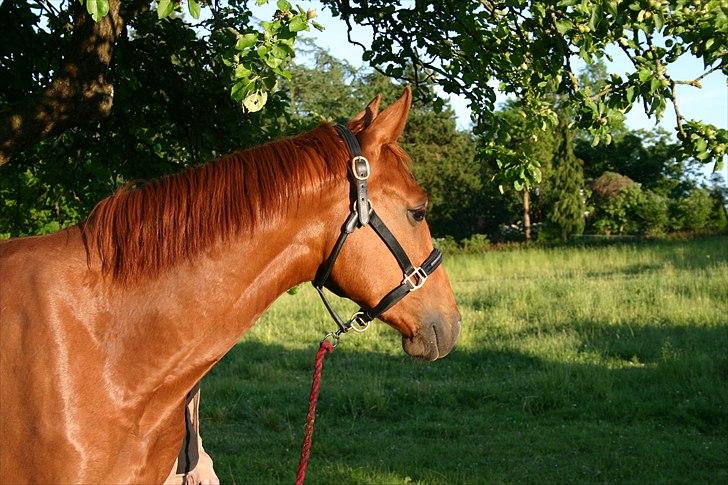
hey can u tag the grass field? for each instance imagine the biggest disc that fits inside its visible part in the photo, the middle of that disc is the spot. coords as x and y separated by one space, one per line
575 365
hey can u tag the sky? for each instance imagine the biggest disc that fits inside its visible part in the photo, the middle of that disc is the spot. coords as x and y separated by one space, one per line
709 104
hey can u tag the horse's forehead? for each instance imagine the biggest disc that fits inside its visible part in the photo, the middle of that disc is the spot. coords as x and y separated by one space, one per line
401 184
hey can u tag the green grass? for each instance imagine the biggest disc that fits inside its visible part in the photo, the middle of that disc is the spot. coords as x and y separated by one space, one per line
574 365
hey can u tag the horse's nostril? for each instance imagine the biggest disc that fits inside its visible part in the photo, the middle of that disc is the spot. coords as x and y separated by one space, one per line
437 340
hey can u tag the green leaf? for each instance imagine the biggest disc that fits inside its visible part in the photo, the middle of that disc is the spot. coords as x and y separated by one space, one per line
318 26
297 24
242 72
260 2
282 73
165 7
438 104
630 94
279 52
272 62
595 141
536 172
654 85
701 145
659 21
283 5
595 17
194 8
97 8
241 89
563 26
245 41
255 101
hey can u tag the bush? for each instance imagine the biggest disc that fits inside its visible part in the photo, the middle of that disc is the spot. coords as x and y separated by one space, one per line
693 212
618 214
477 243
610 184
652 214
447 244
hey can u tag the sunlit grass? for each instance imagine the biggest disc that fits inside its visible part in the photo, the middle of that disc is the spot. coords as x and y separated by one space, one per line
580 365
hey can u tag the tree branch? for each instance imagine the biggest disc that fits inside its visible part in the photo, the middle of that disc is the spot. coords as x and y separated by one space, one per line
678 115
79 93
696 82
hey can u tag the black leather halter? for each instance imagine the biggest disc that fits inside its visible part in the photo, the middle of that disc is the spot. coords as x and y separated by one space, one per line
362 214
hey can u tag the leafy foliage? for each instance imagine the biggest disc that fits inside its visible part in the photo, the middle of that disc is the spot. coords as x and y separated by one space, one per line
260 59
610 184
652 214
172 109
693 212
527 46
616 215
160 124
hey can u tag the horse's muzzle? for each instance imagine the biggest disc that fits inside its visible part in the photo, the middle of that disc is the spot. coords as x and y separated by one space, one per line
434 339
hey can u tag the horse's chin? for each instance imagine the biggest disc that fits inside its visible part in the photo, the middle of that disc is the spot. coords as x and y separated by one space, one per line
432 341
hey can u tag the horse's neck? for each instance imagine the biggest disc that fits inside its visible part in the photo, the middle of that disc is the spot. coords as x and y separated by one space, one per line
174 329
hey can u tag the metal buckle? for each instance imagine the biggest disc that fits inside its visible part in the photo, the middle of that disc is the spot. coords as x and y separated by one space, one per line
354 165
357 324
410 278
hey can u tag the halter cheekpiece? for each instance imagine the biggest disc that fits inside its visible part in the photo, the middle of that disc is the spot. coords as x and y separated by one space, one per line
362 214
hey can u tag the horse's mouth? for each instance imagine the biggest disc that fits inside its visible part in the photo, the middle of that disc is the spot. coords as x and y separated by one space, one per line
432 341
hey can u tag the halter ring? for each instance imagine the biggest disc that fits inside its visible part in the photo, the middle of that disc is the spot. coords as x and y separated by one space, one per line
356 211
357 324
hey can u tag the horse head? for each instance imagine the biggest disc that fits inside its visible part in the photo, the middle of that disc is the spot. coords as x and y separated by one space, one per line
367 268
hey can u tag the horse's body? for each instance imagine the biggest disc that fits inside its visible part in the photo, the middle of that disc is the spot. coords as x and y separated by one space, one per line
105 327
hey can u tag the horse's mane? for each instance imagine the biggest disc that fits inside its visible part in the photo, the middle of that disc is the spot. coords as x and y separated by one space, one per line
147 227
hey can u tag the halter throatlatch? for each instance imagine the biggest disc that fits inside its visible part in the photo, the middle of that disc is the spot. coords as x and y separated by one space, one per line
362 214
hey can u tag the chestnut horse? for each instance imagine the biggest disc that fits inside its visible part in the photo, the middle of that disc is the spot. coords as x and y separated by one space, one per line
106 326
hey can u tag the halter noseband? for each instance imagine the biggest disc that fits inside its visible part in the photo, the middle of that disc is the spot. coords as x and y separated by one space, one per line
362 214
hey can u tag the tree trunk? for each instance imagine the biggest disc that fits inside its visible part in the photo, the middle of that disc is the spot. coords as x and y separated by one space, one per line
79 93
526 215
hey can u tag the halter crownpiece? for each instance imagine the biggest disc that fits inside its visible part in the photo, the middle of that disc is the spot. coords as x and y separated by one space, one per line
362 214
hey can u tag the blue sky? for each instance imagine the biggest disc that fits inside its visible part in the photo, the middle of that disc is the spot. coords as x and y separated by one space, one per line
709 104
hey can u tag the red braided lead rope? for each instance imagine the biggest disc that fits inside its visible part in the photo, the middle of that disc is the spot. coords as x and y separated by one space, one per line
325 347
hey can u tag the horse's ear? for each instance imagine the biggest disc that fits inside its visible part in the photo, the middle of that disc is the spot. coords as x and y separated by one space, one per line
389 125
365 118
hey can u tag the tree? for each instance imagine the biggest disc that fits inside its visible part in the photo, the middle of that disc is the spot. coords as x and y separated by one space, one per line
172 109
77 85
527 45
527 145
650 158
566 217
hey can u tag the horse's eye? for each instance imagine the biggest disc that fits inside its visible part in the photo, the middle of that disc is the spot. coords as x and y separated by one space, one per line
418 214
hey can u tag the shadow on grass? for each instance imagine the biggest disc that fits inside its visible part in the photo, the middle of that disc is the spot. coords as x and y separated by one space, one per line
652 407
